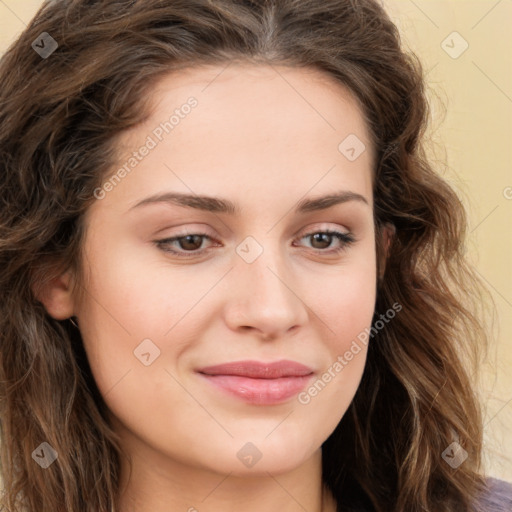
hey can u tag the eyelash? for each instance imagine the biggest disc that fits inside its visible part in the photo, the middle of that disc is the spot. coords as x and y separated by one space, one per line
346 240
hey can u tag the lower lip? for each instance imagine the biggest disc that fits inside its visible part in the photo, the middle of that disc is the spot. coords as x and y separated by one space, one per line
259 391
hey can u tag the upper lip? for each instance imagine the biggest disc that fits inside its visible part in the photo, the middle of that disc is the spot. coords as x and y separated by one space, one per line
259 370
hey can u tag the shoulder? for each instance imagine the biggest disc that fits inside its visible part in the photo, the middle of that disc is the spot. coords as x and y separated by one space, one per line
497 497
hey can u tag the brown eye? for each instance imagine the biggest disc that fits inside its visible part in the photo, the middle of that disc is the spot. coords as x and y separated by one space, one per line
185 245
321 241
190 242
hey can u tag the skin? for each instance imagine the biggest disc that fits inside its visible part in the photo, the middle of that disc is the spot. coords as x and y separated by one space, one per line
263 137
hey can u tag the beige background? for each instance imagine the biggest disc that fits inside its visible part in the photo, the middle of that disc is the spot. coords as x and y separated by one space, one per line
473 144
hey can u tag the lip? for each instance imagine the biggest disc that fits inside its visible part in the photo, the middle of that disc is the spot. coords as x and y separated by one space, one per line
259 383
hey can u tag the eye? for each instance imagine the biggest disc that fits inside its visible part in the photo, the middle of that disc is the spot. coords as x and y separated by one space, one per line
323 240
187 243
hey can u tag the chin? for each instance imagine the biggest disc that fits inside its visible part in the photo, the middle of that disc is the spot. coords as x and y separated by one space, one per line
259 456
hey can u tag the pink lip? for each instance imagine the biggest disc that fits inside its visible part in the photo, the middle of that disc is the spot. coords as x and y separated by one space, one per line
259 383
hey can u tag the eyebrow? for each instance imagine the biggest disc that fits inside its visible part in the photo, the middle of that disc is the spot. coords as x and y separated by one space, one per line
219 205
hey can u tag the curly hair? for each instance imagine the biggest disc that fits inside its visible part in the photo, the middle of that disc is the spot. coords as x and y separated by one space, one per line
60 118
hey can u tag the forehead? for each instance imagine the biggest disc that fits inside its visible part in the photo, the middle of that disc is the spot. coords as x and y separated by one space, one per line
256 127
269 97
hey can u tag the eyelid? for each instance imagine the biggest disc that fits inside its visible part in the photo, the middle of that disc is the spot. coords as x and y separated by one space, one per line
322 227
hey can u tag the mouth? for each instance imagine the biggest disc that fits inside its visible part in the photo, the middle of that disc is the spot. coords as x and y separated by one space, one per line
259 383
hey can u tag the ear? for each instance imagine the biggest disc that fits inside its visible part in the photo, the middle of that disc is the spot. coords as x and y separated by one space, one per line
386 236
56 296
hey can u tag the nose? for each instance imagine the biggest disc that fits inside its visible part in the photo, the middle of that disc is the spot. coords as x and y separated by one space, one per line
265 297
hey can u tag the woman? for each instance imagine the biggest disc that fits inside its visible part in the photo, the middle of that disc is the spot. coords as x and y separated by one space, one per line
230 277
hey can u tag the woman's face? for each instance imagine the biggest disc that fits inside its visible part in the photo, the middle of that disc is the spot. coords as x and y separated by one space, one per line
266 284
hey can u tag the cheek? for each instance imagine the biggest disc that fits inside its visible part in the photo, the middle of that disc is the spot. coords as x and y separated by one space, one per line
353 308
137 306
119 312
130 293
345 306
347 317
345 301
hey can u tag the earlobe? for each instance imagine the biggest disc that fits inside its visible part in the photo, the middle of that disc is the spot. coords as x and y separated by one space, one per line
56 296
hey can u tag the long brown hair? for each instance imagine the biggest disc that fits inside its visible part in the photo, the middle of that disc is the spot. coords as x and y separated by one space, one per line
59 117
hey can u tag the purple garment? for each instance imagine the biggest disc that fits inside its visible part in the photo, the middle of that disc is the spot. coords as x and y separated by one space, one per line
498 497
